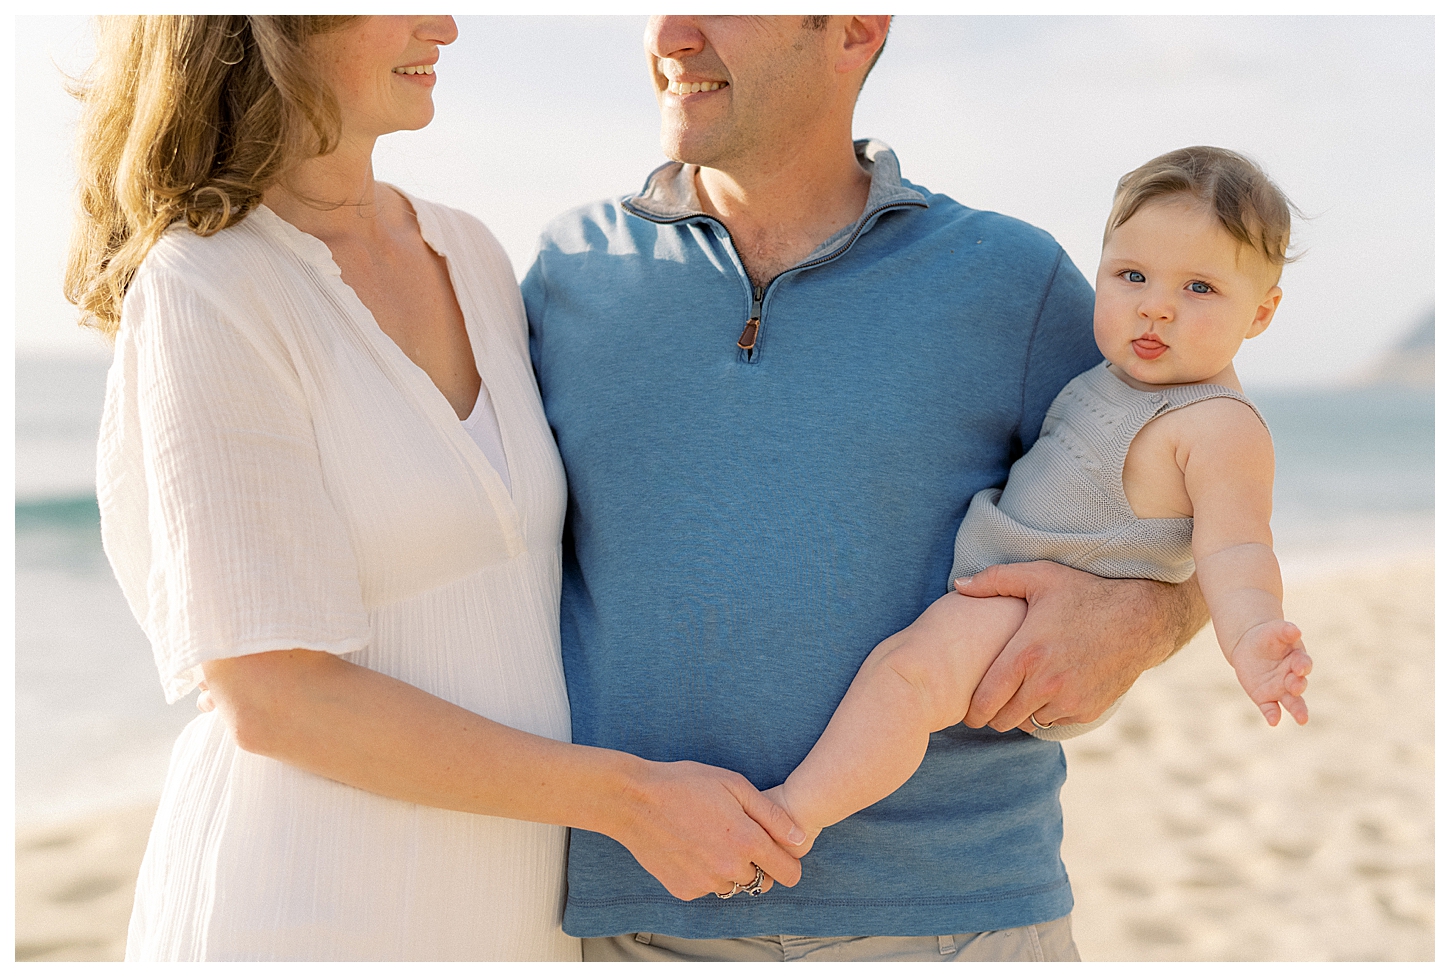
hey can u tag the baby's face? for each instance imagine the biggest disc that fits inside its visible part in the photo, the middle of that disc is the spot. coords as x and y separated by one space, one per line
1177 295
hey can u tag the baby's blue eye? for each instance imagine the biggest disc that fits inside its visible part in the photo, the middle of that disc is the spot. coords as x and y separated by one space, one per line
1136 277
1202 288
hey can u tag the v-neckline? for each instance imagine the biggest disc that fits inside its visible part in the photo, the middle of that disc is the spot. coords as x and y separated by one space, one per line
412 378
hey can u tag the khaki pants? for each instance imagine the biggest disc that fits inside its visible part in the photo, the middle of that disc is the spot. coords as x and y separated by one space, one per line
1043 941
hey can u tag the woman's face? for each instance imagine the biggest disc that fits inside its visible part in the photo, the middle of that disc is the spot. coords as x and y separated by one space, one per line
381 71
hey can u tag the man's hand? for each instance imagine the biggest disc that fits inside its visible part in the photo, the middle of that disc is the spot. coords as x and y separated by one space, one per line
1085 641
700 829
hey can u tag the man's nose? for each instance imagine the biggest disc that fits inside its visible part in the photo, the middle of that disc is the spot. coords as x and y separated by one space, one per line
673 37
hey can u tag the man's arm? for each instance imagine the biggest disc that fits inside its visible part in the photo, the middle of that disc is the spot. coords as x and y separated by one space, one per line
1084 643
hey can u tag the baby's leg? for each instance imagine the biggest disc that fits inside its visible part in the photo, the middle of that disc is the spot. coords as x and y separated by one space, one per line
917 681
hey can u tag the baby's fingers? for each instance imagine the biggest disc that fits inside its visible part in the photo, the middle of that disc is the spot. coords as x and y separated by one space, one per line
1297 708
1270 711
1297 668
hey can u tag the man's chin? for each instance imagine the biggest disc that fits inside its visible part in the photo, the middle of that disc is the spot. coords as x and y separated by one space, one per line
685 146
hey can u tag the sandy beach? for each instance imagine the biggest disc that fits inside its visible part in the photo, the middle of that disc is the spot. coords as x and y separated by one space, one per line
1194 831
74 883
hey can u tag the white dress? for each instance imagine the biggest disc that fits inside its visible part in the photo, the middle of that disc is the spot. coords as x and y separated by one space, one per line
275 473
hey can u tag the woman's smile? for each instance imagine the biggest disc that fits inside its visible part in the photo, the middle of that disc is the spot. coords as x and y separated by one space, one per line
417 74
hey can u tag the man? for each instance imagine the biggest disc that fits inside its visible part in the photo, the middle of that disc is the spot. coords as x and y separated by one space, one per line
776 376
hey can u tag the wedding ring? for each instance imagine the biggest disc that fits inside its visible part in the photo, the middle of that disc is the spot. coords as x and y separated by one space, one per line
726 895
1033 717
754 888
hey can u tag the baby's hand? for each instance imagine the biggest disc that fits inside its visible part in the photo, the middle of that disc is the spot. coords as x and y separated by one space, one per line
779 795
1272 666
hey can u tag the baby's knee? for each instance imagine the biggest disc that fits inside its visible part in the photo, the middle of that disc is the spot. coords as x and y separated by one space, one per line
921 664
946 652
938 679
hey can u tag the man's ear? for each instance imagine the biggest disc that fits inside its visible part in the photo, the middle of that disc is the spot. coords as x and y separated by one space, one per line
1264 314
863 38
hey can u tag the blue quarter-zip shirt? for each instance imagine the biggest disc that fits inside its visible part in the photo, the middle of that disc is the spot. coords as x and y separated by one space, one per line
745 525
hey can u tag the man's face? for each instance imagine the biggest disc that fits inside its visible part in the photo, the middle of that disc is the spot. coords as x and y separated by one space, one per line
736 89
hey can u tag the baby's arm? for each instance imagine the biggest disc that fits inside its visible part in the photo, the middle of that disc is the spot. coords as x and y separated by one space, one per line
1228 472
914 683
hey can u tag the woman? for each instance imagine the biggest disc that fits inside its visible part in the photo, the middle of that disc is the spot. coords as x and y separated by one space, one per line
330 494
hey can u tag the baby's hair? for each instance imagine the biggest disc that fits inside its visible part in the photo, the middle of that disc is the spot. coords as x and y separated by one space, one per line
1246 202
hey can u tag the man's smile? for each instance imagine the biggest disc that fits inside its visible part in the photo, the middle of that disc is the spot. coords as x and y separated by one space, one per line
691 87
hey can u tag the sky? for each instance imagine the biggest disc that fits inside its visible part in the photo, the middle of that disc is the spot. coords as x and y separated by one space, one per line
1034 116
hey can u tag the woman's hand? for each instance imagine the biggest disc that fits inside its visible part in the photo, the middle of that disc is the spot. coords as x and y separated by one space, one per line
780 795
699 829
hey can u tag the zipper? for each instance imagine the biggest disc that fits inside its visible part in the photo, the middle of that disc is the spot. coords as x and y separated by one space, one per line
752 325
751 332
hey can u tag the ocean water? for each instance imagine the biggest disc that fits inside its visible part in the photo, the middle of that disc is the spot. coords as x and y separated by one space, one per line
1355 483
92 729
1355 478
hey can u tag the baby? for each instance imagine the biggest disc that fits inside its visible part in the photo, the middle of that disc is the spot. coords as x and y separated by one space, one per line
1149 465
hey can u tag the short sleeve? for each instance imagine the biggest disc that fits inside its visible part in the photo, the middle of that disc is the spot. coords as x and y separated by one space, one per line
214 511
1062 345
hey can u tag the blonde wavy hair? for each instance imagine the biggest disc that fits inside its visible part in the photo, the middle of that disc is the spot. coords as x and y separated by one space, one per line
186 118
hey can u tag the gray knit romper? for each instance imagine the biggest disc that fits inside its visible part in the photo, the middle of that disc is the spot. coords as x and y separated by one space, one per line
1064 498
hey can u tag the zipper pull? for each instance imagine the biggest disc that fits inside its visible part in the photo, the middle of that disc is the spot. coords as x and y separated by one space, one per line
752 325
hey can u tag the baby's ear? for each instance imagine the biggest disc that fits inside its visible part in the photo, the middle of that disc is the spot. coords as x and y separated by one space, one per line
1264 314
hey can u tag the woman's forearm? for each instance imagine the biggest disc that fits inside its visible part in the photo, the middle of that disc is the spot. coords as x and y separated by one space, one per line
366 729
696 828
